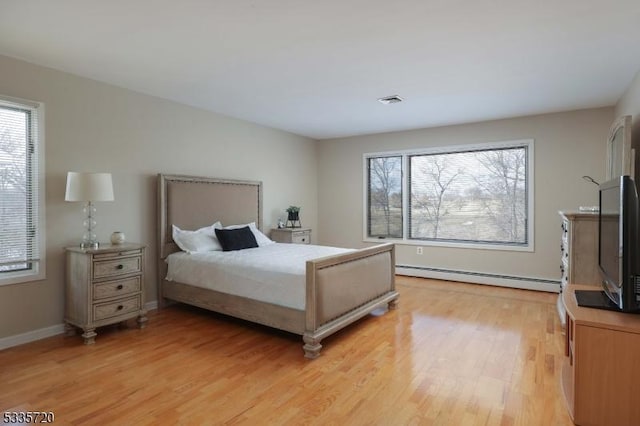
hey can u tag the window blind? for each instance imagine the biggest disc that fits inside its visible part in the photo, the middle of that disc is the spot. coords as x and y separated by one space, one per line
19 188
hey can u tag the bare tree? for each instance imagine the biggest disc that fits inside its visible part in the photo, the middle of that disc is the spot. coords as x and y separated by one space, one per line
13 150
504 185
385 186
437 177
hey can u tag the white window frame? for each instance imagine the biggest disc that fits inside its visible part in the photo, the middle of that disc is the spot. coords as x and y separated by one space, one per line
527 143
38 272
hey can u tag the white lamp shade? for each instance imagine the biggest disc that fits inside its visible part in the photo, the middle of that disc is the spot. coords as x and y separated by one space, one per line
89 187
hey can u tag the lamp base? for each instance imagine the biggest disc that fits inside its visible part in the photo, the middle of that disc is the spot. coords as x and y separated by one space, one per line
89 245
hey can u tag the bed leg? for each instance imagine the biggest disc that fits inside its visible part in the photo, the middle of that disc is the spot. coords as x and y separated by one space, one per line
393 304
311 347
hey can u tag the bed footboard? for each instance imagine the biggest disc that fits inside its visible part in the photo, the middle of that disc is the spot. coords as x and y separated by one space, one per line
343 288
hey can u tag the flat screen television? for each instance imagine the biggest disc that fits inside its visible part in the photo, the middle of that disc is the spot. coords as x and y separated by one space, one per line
618 253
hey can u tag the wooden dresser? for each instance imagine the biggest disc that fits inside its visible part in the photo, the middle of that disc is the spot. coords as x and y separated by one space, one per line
104 286
600 372
291 235
578 252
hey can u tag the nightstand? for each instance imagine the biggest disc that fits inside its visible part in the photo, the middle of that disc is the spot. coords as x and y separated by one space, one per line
103 286
291 235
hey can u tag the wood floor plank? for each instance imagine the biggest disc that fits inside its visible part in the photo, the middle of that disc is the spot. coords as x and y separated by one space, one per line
451 354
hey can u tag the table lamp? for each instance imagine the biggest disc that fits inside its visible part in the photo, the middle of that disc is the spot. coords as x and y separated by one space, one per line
89 187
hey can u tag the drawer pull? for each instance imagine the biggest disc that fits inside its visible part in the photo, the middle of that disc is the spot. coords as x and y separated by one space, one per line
120 266
120 307
120 287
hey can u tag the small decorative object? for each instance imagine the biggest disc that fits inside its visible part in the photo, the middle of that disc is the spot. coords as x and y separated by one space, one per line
117 237
293 217
590 209
280 224
590 179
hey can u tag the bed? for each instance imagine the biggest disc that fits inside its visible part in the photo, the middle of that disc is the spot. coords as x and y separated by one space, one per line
338 289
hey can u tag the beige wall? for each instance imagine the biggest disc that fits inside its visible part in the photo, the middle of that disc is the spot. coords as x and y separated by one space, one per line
92 126
567 146
629 103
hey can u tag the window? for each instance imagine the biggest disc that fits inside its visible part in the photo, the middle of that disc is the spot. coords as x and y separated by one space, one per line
384 196
479 196
21 192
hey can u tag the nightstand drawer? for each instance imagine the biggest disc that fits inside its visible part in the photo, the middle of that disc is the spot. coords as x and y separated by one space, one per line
116 254
291 235
120 307
118 266
116 288
300 237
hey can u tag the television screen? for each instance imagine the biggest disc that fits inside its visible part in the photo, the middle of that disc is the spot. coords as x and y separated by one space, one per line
610 248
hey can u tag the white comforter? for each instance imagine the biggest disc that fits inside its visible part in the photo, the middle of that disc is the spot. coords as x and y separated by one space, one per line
274 273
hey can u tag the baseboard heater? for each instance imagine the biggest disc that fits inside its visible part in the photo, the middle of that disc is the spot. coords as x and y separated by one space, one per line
526 283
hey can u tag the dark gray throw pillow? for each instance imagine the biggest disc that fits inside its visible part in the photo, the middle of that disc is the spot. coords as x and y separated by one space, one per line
236 239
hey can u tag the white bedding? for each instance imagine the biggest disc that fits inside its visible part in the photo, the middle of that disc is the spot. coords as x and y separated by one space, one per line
274 273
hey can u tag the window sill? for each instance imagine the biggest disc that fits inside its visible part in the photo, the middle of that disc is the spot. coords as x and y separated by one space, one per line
22 277
451 244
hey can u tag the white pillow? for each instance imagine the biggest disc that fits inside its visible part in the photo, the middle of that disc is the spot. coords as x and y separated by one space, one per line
203 239
261 239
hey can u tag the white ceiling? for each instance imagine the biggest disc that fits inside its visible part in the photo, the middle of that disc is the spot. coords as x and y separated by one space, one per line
316 68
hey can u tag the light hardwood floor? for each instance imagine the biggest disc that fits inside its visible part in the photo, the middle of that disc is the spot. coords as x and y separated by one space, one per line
451 354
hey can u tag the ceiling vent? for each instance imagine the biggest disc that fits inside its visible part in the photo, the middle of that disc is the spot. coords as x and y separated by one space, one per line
390 100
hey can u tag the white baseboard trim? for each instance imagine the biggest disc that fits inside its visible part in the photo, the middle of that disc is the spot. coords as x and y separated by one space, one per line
31 336
525 283
43 333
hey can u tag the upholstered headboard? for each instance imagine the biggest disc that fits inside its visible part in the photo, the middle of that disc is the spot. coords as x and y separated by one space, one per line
191 202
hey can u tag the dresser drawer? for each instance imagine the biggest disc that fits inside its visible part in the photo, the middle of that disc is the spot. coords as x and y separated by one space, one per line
116 288
120 307
300 237
117 266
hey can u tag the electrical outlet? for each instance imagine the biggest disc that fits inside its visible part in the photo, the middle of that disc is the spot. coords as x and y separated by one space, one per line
419 250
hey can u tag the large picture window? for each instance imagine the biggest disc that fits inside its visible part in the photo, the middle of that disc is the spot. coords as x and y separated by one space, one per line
478 195
21 218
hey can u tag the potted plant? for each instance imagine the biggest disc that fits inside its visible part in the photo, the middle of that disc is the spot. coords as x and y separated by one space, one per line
293 213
